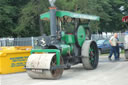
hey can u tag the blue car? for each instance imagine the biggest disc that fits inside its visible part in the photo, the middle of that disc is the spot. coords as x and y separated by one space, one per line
104 46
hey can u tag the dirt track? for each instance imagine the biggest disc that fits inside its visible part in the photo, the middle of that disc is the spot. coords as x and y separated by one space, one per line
107 73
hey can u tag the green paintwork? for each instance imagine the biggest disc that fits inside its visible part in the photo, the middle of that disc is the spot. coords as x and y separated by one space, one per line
70 14
62 35
81 35
65 49
71 48
50 51
69 38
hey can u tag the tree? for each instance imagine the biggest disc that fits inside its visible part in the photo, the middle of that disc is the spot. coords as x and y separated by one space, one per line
9 13
29 18
21 17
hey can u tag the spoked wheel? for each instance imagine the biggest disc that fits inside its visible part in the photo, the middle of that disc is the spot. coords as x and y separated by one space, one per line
42 65
90 55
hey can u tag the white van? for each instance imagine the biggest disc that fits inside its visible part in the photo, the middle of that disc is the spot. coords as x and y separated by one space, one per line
125 19
126 45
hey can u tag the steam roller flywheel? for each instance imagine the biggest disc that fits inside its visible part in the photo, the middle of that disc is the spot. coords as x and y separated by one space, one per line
41 66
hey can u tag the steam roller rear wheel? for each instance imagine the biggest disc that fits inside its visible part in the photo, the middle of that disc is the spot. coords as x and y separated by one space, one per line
44 61
90 55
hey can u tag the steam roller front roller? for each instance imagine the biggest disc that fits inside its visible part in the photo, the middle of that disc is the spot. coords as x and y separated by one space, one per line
43 66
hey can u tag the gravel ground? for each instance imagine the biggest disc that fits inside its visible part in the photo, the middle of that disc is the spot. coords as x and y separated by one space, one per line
107 73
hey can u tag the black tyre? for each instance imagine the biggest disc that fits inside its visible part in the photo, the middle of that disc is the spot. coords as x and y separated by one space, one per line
126 54
90 55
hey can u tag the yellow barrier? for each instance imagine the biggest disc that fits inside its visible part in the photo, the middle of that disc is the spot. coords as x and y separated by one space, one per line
13 59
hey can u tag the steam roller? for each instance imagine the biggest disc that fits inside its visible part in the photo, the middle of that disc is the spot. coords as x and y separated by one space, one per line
68 44
43 66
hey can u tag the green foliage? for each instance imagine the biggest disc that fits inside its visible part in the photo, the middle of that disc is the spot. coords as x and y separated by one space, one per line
20 18
29 18
9 14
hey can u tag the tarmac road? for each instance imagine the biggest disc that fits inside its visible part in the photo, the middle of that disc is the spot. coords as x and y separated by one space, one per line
107 73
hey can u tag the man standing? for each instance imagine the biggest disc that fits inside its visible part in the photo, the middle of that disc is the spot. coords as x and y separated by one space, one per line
113 42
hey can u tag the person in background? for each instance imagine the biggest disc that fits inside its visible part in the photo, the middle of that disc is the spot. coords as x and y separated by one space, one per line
113 42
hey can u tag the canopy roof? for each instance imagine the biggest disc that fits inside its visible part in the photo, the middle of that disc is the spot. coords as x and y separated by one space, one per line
125 19
60 14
